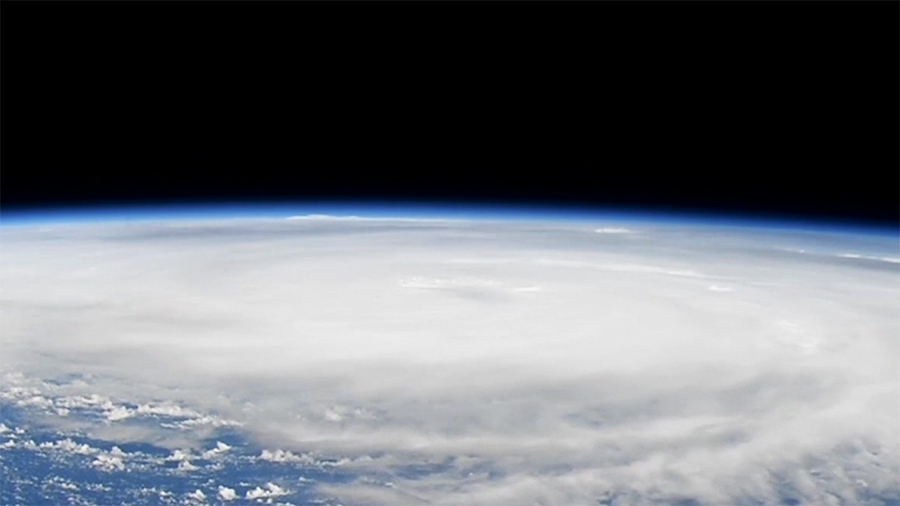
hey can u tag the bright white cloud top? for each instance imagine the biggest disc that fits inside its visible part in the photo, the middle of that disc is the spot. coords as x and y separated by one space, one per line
519 362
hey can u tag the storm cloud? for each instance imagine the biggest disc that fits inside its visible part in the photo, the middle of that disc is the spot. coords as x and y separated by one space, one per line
461 362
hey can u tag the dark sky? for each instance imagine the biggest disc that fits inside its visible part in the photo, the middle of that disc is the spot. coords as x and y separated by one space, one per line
788 110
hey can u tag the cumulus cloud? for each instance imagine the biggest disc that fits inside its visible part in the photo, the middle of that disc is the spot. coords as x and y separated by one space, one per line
282 456
186 465
220 449
109 463
226 494
179 456
271 490
117 413
540 368
197 495
70 446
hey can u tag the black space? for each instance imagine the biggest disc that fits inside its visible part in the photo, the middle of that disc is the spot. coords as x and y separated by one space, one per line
788 109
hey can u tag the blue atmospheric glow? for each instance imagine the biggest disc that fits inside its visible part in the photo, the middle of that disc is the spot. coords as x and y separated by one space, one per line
426 210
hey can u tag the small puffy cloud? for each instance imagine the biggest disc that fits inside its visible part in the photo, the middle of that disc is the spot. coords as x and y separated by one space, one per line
83 402
197 495
70 446
218 450
108 463
185 465
283 456
116 413
612 230
271 490
226 494
37 401
179 456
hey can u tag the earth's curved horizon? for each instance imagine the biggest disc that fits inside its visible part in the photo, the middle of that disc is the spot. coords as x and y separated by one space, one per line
402 355
449 210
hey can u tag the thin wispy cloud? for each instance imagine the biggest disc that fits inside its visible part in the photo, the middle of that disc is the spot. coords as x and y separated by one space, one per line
613 230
